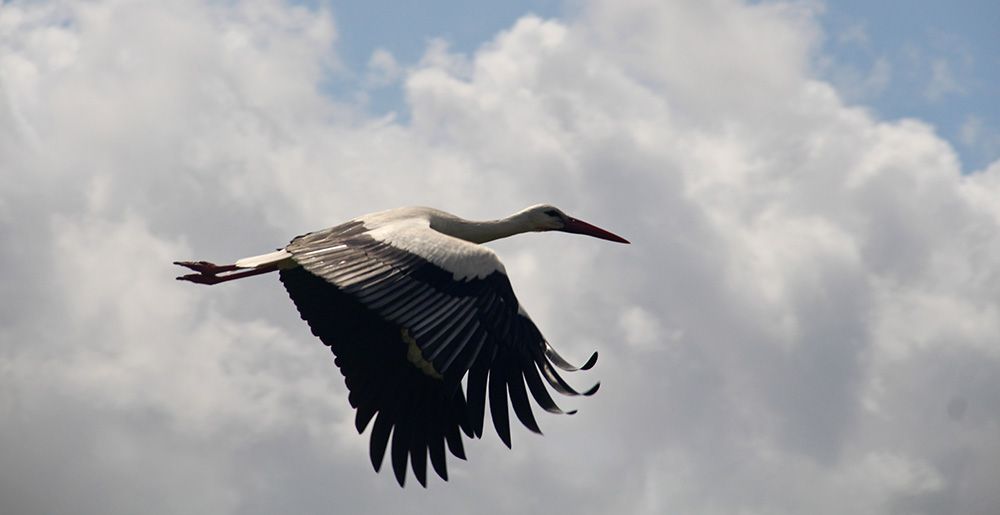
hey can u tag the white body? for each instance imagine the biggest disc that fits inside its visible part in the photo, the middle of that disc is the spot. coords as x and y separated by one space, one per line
439 237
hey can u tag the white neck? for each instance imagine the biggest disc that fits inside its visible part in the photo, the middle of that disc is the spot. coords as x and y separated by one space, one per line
482 231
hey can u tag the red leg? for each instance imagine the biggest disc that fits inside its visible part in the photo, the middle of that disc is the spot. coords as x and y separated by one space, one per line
210 276
204 267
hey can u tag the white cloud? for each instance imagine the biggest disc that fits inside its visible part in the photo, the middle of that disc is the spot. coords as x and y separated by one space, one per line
978 136
856 34
809 293
856 84
383 69
942 81
971 132
644 330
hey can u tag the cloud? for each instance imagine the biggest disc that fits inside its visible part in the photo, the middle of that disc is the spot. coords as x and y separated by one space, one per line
383 69
855 34
856 84
978 136
942 81
809 295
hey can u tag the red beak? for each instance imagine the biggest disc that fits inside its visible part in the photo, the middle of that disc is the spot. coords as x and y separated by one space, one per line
580 227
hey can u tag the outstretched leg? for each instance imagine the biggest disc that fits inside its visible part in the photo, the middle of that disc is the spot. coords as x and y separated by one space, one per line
204 267
210 273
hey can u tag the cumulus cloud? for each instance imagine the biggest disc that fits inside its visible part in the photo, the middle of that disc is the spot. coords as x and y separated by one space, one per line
805 322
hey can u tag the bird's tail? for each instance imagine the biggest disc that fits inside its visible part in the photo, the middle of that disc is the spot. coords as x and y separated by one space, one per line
270 258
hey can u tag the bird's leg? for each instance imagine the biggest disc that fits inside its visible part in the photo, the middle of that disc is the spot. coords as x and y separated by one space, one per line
206 268
209 273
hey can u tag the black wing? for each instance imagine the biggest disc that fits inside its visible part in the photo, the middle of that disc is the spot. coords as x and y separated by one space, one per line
405 333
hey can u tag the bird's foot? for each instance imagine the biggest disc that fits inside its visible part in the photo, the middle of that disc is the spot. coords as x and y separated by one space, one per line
202 278
210 273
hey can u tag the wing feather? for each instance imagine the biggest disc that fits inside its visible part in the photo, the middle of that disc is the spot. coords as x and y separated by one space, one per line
519 399
498 405
370 298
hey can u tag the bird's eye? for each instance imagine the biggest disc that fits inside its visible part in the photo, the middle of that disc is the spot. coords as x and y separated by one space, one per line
552 212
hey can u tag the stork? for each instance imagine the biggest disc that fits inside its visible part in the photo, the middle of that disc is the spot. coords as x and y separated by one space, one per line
410 303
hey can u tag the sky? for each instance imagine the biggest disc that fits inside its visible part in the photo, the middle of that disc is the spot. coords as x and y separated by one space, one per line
806 320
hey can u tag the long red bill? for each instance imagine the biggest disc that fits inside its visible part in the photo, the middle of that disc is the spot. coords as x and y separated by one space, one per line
580 227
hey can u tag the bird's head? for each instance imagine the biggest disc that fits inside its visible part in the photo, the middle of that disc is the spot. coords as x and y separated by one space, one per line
545 217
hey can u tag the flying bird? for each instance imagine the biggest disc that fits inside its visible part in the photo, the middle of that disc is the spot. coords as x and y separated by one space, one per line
410 303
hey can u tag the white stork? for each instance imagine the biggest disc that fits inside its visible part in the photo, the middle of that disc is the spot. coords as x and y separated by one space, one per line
410 302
